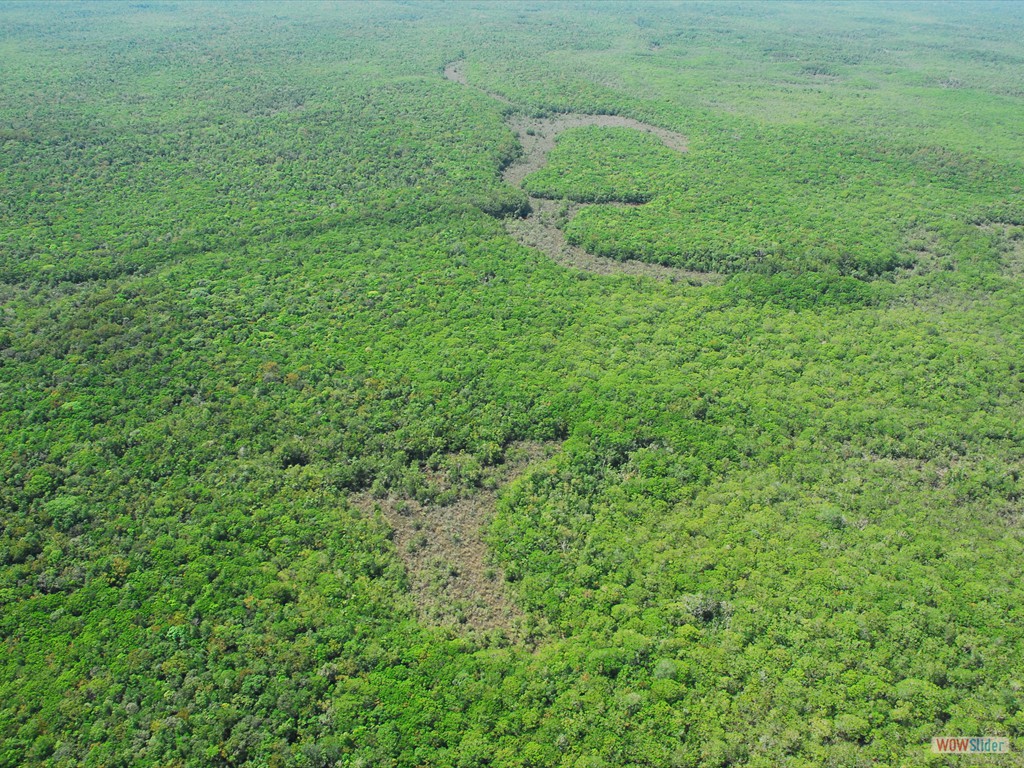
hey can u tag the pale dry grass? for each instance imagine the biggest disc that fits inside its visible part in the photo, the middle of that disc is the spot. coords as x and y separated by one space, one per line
452 576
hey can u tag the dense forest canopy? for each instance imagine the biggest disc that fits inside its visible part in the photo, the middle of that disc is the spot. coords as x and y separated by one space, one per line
306 459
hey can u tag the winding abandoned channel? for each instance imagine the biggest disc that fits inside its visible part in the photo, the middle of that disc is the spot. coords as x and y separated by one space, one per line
540 228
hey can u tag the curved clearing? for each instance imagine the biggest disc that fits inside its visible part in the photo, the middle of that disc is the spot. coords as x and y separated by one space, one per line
453 72
537 137
540 228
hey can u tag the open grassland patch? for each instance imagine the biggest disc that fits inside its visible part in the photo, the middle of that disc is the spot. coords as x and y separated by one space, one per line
455 580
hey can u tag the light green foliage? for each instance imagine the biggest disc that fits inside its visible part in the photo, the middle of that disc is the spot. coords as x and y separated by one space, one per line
601 165
252 264
775 199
